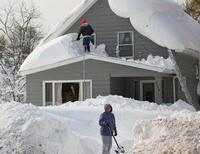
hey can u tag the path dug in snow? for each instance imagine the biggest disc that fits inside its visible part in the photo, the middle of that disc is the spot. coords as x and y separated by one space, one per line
73 128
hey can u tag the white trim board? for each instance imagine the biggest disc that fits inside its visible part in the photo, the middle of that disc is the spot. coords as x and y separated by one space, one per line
98 58
63 81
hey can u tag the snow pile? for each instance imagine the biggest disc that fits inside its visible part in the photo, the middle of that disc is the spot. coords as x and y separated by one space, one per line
178 134
59 49
73 127
162 21
28 129
157 61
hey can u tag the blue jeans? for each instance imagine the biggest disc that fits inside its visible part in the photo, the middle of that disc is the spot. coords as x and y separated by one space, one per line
86 43
107 144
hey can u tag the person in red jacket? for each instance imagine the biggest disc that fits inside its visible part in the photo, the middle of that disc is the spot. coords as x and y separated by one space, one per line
86 31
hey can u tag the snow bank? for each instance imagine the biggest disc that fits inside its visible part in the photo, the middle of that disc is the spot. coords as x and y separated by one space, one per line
156 61
162 21
59 49
178 134
73 127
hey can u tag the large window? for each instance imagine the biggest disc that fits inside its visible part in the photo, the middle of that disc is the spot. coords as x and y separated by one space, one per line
125 43
59 92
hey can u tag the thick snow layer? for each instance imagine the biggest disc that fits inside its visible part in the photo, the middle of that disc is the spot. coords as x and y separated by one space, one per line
64 48
59 49
73 127
162 21
179 133
156 61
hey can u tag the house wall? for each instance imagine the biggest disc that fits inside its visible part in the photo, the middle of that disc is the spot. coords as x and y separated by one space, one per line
99 72
187 66
106 25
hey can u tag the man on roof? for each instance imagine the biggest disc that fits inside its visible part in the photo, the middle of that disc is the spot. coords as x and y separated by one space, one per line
86 31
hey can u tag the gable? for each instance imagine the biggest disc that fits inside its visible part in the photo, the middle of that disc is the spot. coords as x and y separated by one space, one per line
107 25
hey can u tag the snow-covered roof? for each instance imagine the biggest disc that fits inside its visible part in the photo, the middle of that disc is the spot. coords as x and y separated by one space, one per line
64 50
99 58
162 21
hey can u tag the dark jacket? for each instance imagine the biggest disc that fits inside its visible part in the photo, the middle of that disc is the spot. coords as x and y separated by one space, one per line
85 30
106 121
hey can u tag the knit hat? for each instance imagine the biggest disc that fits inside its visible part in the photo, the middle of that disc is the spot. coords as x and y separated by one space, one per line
83 21
108 108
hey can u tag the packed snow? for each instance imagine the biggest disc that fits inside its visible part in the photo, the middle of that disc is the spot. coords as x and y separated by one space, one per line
162 21
73 127
66 47
59 49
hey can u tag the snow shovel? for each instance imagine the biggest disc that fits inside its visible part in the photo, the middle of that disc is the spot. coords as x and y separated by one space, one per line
120 149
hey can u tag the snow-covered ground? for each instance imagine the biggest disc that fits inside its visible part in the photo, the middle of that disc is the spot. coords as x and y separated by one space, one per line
73 128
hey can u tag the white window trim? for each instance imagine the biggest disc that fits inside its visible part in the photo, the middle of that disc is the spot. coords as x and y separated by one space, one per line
125 32
63 81
121 45
141 87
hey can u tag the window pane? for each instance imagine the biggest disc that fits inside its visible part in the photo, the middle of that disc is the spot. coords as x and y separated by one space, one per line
125 38
86 90
48 94
126 51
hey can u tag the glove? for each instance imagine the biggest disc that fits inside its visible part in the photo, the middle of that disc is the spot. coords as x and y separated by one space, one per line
115 132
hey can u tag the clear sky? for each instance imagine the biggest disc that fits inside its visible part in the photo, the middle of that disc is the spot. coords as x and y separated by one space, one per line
52 11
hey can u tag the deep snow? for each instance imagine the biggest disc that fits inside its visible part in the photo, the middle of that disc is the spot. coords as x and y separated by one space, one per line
163 21
73 127
65 47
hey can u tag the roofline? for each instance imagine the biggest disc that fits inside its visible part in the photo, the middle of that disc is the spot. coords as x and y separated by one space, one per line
68 21
98 58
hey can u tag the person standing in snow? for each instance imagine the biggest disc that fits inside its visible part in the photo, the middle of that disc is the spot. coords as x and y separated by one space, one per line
86 30
108 128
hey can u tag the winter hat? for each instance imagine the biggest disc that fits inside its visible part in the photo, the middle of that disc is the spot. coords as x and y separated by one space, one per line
83 21
107 107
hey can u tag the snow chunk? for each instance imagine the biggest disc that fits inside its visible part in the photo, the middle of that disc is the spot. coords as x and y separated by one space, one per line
179 133
59 49
162 21
156 61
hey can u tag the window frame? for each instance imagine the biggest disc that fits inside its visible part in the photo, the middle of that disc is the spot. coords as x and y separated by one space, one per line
123 45
118 38
62 81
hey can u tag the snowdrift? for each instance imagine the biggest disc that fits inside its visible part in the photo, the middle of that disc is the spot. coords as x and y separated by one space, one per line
59 49
179 133
73 127
162 21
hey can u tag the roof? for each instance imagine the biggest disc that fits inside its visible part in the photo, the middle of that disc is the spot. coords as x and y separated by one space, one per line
69 20
164 22
99 58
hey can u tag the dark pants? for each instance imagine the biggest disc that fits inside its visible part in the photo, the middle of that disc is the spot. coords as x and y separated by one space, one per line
86 43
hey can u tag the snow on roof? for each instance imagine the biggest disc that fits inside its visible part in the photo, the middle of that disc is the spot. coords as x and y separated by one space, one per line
71 18
64 50
162 21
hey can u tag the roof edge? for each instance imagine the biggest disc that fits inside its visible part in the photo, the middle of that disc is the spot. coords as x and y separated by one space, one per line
98 58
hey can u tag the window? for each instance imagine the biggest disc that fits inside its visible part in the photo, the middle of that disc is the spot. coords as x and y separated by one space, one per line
125 43
59 92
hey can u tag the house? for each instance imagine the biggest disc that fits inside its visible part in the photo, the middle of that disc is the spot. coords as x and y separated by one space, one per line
66 80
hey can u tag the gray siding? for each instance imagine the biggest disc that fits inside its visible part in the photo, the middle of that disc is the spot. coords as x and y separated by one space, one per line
99 72
187 66
106 25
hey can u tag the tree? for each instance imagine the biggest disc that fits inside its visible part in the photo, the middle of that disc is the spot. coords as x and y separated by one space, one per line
18 37
193 9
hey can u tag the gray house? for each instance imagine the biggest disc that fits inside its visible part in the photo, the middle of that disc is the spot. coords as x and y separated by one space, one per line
63 81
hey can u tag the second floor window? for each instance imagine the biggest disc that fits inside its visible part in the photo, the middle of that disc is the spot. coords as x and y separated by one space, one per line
125 43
